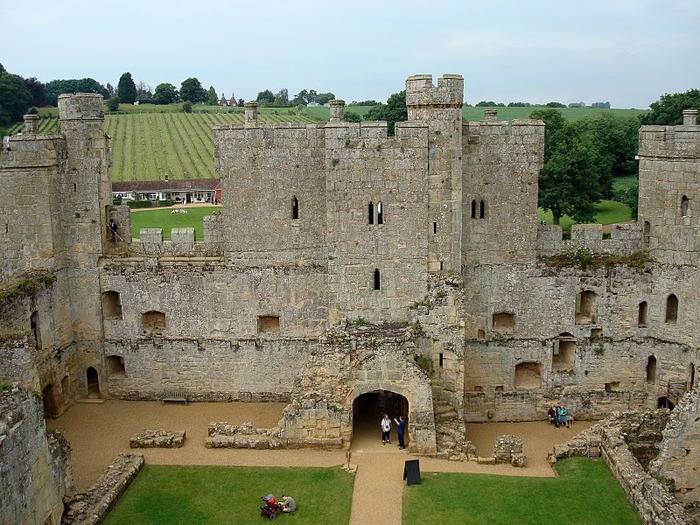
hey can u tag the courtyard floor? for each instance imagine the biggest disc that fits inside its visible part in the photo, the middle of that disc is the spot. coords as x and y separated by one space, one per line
98 432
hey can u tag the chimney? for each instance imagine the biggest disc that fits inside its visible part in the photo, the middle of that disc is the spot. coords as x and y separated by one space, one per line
491 115
337 110
690 117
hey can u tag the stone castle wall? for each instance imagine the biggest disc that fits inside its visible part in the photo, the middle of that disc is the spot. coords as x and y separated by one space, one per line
35 467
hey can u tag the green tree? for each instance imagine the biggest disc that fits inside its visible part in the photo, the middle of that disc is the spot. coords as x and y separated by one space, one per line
187 106
553 122
113 104
38 91
212 99
265 98
192 90
668 110
393 111
630 196
15 98
282 97
569 184
325 98
165 94
126 89
84 85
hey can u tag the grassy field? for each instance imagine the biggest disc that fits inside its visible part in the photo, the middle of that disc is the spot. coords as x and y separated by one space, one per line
187 495
607 212
163 218
585 493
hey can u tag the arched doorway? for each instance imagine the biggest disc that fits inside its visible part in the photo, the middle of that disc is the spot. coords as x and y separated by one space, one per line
93 383
50 409
368 410
651 370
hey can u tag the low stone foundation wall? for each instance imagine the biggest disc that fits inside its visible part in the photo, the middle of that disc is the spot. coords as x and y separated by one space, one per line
607 439
509 449
93 505
158 439
224 435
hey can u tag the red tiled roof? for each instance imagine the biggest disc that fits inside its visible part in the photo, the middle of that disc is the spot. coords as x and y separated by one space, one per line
168 185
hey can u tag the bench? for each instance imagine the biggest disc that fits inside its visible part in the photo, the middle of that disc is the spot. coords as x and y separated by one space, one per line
175 397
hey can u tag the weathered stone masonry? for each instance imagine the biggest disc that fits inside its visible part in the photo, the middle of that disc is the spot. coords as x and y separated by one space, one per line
343 259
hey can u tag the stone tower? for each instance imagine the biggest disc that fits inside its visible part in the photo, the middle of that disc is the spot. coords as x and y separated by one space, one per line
440 108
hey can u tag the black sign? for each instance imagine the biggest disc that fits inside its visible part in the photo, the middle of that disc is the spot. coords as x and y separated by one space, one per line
411 472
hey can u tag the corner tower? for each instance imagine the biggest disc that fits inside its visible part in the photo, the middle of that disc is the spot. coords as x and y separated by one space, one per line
440 107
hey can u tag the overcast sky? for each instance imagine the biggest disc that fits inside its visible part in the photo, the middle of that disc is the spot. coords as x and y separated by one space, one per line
627 52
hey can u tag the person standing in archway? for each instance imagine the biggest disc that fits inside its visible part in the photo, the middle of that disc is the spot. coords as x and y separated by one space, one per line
400 431
386 429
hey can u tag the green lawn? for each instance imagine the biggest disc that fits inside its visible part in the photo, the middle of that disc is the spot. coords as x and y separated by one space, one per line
164 218
585 493
196 495
607 212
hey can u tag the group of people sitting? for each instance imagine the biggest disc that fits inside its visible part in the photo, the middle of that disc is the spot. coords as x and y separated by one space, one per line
559 416
273 507
175 211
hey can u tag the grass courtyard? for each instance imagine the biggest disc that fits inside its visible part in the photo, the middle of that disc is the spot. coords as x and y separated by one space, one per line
584 493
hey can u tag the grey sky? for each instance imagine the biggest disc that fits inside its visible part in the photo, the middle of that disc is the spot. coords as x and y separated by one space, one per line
622 51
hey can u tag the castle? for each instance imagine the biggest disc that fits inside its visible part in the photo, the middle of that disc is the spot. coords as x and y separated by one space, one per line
348 265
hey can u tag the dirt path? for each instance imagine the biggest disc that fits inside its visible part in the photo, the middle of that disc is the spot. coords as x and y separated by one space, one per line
99 431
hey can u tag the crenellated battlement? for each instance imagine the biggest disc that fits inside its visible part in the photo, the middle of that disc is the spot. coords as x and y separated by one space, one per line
81 106
449 91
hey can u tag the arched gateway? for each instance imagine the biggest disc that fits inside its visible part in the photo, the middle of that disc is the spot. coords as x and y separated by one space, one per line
368 409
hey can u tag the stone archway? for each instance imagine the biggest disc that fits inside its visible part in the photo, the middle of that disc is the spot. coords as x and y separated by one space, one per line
93 383
49 397
367 411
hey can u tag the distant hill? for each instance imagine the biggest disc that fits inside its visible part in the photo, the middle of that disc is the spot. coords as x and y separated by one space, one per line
148 141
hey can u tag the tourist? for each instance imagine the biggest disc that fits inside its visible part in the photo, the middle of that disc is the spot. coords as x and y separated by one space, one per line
288 504
113 229
400 431
386 429
565 420
552 414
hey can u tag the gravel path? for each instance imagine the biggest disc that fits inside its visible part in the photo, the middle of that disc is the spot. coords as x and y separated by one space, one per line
99 431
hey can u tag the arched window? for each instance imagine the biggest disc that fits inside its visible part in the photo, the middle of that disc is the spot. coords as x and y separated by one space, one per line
370 212
377 279
642 315
295 207
671 309
380 213
651 369
685 206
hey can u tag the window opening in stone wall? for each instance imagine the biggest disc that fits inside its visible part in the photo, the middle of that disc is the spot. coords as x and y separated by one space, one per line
115 366
93 383
664 402
642 315
671 309
49 398
685 204
441 360
153 322
7 228
295 207
585 307
380 213
269 324
498 388
478 388
75 187
564 353
435 227
646 235
480 334
528 375
36 331
473 209
370 212
503 322
111 305
377 279
651 370
692 376
482 209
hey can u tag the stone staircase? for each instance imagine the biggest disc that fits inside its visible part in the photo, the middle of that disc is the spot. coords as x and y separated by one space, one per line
450 431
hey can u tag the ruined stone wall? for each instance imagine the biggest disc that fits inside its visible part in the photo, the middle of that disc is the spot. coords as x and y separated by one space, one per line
625 239
35 468
678 460
501 164
669 162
